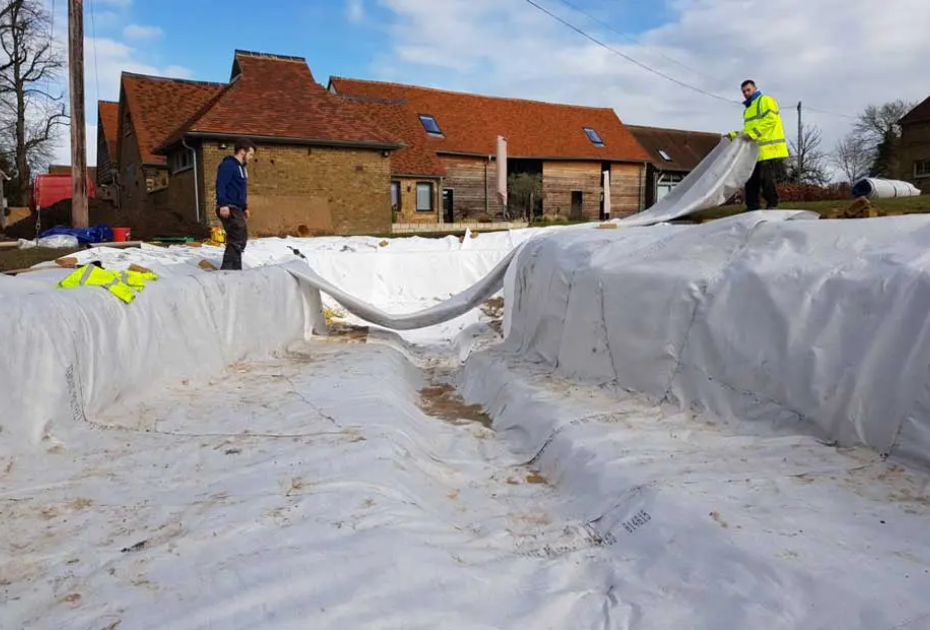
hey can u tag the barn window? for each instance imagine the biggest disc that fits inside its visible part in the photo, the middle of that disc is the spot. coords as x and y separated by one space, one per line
395 195
665 156
594 137
180 161
429 123
424 197
922 168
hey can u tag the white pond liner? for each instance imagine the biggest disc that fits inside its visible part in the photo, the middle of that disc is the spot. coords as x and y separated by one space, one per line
193 461
817 326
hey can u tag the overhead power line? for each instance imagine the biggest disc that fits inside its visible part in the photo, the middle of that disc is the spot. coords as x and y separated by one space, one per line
647 67
93 34
629 58
825 112
630 38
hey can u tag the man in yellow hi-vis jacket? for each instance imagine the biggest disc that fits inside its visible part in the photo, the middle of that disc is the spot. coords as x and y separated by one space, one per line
122 284
762 123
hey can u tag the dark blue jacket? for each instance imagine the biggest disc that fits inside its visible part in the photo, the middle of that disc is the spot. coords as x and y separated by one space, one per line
749 101
231 184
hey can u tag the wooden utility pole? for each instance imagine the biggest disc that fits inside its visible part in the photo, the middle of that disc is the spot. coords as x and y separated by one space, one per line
800 156
79 214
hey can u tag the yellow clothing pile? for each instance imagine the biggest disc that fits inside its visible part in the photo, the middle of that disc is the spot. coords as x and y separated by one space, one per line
122 284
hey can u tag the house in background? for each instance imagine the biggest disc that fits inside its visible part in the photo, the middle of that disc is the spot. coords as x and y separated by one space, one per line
150 109
914 149
416 170
107 137
321 162
673 153
450 145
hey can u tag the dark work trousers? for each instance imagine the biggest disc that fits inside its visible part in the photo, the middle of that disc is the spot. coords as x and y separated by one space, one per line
763 180
237 235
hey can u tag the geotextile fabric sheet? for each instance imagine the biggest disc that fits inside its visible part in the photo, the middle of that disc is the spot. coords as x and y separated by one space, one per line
820 325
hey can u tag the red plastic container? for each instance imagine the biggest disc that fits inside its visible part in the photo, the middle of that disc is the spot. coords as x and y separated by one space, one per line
121 234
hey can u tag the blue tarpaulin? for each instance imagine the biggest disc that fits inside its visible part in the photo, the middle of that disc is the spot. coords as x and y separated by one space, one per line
96 234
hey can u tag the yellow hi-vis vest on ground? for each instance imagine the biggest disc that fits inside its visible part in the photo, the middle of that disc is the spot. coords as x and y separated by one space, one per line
762 123
122 284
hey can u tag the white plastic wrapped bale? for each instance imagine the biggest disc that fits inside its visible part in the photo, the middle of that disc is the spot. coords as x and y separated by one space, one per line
820 325
70 355
877 188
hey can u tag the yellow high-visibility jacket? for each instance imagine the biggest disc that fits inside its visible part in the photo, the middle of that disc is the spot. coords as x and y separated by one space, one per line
137 279
122 284
762 123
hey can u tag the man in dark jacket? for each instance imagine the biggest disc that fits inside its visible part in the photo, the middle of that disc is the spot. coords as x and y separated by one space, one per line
232 207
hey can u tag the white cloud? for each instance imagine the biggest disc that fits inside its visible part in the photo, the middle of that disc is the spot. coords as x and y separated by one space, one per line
834 55
104 61
138 31
63 152
355 10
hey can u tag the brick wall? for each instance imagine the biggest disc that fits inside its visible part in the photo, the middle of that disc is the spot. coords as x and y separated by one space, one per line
177 196
155 178
328 190
915 146
466 176
407 212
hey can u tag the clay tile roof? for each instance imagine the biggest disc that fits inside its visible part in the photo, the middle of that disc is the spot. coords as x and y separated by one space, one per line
271 96
470 123
415 157
159 105
685 149
108 115
921 113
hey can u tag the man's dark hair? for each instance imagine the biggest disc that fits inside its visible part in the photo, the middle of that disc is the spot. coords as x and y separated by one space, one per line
747 82
243 144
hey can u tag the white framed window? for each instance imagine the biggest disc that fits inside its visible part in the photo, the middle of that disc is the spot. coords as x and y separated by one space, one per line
424 197
395 195
180 161
922 168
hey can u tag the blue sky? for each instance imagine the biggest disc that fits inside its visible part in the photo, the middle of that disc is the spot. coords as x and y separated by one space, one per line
349 38
796 49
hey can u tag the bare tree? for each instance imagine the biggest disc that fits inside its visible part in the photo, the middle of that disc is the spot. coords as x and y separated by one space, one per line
877 121
853 157
29 64
807 162
878 127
